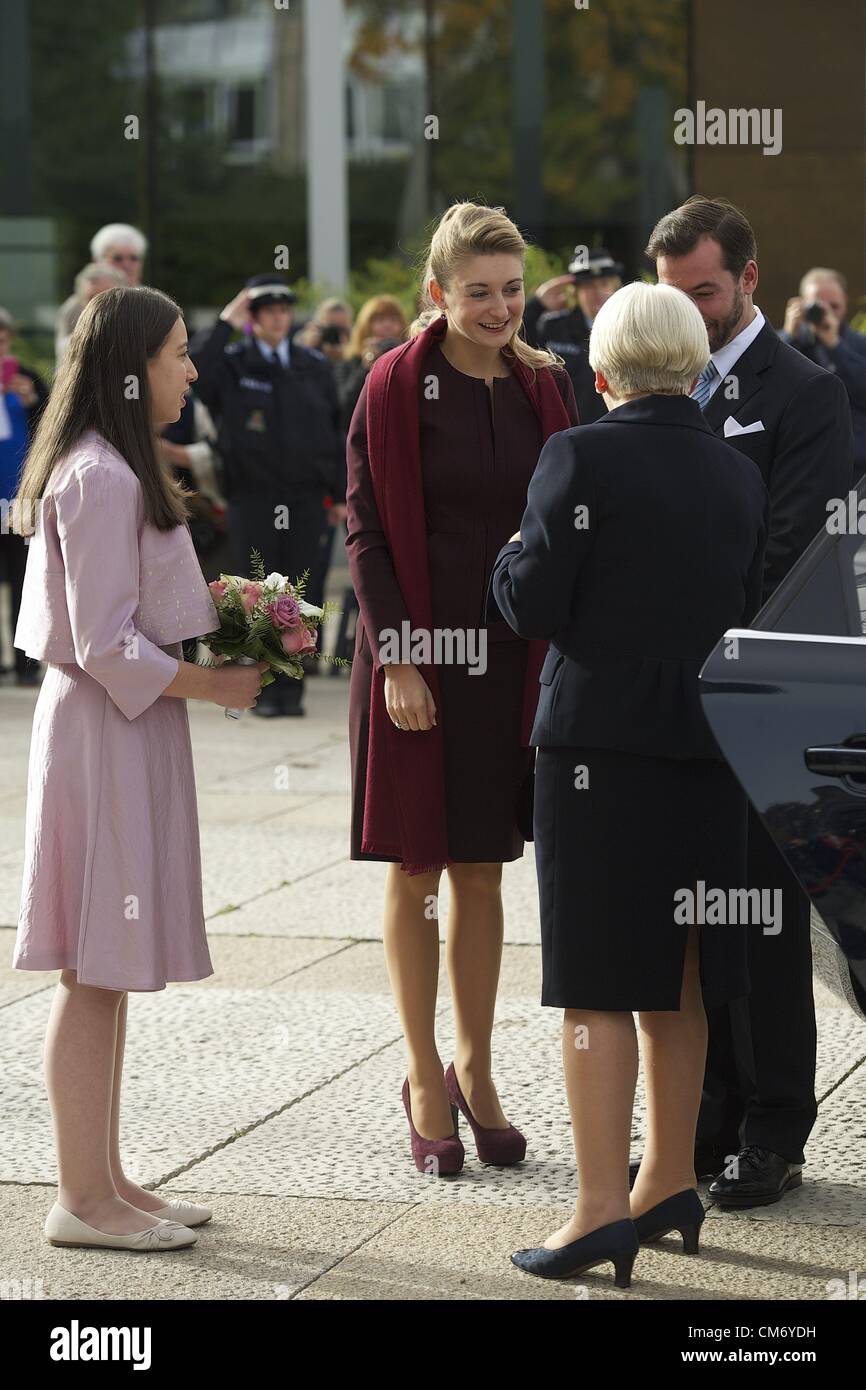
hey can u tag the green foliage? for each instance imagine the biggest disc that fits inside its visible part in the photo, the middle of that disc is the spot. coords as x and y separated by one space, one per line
36 351
541 265
213 221
257 566
858 320
396 275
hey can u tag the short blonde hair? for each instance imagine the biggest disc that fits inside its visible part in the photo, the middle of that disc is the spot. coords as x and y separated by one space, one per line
649 338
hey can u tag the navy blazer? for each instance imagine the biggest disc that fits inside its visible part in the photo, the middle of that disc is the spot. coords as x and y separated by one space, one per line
806 449
642 542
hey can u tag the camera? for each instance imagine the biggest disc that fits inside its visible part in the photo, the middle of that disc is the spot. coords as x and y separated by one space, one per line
332 335
814 312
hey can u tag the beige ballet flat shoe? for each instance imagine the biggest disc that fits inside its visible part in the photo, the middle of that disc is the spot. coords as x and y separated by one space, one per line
188 1213
62 1228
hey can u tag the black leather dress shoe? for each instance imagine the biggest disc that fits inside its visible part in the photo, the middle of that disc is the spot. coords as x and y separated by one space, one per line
709 1161
762 1177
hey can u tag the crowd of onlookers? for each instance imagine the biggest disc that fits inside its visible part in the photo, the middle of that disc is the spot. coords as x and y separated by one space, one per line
267 420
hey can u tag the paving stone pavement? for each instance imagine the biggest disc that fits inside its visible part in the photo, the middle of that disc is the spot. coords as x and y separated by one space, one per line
272 1089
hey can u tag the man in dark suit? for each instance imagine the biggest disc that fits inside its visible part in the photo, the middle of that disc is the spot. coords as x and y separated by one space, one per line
793 419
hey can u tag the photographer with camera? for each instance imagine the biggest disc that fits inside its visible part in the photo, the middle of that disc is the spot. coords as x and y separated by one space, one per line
816 324
327 331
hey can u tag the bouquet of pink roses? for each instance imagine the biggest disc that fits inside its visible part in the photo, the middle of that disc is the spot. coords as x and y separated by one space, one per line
265 618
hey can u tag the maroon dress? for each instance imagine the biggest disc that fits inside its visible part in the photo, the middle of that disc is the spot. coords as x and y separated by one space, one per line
479 449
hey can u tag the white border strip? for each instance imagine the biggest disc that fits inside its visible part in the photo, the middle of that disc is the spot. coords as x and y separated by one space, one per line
756 635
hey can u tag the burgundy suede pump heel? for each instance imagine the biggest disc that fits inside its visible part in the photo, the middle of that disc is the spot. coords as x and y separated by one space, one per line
436 1156
498 1146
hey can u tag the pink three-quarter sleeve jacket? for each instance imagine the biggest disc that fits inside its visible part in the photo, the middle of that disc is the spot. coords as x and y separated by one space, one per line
105 589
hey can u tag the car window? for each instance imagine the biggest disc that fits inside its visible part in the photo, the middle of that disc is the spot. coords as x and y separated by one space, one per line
825 592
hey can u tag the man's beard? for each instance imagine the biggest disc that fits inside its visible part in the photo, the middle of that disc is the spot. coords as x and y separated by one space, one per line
721 330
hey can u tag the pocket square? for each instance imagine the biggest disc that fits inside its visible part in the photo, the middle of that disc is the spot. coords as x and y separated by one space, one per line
733 426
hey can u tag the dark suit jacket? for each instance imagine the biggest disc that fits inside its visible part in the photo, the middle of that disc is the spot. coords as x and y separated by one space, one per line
634 601
806 449
848 358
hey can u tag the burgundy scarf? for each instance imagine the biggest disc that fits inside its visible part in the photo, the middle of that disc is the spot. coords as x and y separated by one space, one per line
404 804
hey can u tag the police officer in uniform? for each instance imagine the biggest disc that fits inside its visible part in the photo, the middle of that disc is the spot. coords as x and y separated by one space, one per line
275 406
595 276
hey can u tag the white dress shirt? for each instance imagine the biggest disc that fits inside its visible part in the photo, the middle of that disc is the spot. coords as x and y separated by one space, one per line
725 359
281 350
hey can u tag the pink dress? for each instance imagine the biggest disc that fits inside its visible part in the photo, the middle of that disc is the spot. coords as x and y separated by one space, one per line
112 868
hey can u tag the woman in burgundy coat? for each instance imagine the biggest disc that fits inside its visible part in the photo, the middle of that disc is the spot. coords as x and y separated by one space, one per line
442 445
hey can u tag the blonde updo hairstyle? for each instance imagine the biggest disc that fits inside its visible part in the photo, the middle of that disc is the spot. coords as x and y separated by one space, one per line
465 230
649 338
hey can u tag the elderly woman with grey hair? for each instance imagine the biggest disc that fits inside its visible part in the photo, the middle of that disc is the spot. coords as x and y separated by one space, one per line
641 543
123 247
117 258
96 276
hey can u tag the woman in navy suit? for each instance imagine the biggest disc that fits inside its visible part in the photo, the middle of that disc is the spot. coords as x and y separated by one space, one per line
641 543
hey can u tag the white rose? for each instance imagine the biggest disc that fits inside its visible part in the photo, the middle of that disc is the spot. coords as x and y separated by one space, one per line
309 610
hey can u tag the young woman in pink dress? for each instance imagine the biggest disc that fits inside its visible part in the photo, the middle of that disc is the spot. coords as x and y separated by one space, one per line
111 893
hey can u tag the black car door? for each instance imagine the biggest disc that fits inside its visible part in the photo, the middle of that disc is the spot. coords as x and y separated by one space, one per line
786 700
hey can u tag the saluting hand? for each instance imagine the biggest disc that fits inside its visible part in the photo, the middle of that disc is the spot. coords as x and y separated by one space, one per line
238 311
553 292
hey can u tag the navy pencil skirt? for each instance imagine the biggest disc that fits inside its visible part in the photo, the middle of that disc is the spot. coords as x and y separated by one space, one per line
612 854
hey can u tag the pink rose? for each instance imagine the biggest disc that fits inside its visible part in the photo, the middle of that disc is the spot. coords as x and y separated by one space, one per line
299 641
284 611
218 589
250 595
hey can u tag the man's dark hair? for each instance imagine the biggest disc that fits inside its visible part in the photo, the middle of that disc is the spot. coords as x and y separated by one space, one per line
678 232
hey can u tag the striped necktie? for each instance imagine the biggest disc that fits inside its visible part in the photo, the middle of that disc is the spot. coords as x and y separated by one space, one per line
701 393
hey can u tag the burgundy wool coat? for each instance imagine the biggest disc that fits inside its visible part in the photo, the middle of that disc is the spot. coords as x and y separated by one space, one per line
479 448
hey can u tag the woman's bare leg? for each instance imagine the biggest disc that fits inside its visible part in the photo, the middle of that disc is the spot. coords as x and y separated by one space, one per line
411 932
79 1074
600 1061
126 1188
674 1048
474 955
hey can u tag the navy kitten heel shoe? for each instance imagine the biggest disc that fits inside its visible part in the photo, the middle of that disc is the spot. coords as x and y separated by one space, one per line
616 1243
684 1212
